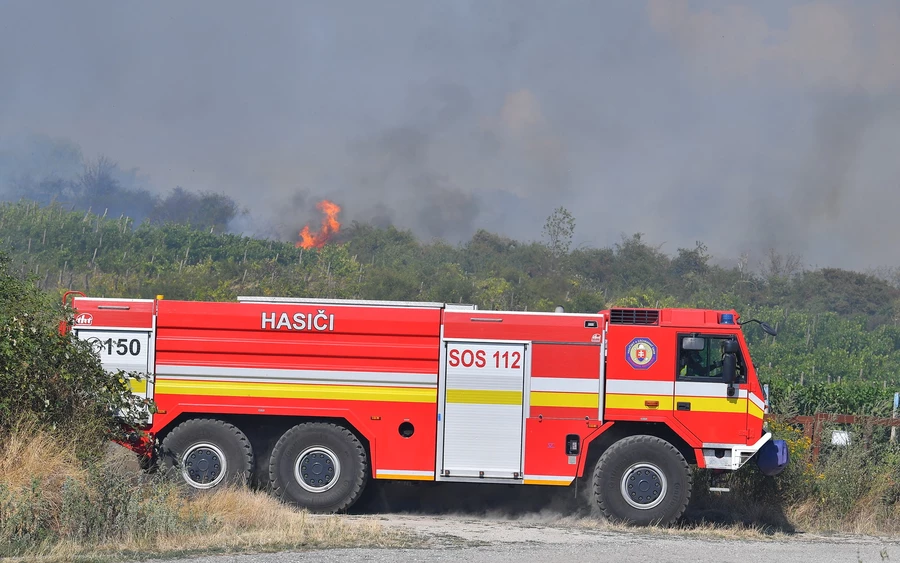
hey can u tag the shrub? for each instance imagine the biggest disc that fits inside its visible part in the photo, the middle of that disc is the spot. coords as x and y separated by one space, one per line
47 495
851 397
54 378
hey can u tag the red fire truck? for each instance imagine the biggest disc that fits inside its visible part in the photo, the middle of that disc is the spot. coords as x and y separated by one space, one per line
316 397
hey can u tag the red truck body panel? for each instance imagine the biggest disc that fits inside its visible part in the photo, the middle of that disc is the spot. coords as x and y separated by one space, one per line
501 391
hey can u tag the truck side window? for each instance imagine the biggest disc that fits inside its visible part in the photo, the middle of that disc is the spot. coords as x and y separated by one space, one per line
706 364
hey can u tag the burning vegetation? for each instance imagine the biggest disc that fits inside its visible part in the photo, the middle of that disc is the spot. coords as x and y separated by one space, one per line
330 226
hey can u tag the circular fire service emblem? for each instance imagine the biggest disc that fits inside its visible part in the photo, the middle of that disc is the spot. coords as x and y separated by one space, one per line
640 353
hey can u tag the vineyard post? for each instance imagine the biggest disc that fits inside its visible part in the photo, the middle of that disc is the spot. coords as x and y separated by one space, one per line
894 415
818 425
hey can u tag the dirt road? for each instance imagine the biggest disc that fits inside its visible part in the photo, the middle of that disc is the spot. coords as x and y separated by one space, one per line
533 539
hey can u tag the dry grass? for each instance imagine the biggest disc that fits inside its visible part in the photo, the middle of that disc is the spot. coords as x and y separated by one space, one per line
707 530
866 518
53 508
738 518
243 521
28 453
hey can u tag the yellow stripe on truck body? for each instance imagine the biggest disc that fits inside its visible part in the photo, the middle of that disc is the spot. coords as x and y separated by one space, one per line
295 391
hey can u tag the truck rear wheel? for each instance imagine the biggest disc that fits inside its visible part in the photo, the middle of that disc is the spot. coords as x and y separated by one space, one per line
319 466
206 453
642 480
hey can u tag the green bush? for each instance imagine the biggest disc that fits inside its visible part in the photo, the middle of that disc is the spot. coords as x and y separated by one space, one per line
54 378
854 487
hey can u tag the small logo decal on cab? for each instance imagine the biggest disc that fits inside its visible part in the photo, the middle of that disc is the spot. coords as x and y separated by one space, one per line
84 319
640 353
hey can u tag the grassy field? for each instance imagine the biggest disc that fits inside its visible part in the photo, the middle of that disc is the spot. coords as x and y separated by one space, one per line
57 507
851 488
54 507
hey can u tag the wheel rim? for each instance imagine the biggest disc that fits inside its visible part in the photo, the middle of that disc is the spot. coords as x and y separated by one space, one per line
203 465
643 486
317 469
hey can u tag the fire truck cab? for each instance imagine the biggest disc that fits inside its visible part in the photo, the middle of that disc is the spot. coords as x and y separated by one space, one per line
316 397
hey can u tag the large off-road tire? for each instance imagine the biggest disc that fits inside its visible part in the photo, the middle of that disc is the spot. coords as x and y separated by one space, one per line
642 480
206 453
319 466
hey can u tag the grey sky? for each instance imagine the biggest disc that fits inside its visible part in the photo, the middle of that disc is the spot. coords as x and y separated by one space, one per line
744 125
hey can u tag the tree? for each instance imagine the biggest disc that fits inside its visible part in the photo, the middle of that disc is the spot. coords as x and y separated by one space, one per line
558 231
695 261
492 293
638 264
202 211
98 188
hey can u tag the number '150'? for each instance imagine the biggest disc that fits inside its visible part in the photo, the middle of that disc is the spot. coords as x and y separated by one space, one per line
122 346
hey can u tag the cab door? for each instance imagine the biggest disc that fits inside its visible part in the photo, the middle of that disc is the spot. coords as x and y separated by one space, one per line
714 410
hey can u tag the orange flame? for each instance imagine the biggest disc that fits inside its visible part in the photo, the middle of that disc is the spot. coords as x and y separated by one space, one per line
330 226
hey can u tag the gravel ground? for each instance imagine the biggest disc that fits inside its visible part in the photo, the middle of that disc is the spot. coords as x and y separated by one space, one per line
475 540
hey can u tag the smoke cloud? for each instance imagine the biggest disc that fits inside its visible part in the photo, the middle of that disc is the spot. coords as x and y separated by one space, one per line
746 125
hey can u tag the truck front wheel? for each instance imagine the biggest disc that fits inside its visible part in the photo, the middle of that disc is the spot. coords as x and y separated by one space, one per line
319 466
642 480
206 453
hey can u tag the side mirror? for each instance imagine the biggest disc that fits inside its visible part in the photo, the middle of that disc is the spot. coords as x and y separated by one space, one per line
765 326
729 368
732 347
